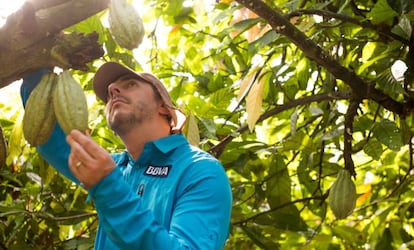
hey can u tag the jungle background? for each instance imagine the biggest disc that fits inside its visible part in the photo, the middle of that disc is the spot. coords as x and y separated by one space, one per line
284 93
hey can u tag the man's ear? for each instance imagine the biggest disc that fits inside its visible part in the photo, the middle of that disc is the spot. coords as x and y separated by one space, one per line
163 110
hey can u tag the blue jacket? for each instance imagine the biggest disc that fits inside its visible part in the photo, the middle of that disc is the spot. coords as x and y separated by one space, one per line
174 196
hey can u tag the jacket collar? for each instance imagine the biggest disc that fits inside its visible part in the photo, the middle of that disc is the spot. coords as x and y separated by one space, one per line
163 145
168 143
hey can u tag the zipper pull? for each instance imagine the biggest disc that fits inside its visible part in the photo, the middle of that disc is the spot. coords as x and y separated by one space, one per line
141 189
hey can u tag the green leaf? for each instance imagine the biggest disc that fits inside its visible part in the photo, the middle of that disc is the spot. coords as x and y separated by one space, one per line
288 218
79 243
192 132
368 51
390 85
207 127
388 134
16 141
293 121
406 132
401 6
348 234
299 141
269 37
404 28
89 25
259 238
303 72
242 26
373 148
46 172
278 190
382 13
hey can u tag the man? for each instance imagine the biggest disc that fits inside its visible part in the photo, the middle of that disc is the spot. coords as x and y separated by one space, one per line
161 193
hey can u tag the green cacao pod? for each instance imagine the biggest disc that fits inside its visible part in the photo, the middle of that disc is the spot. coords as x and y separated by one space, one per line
39 119
3 149
342 195
125 24
69 103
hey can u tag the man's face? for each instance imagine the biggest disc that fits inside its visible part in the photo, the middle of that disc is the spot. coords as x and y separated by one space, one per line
130 102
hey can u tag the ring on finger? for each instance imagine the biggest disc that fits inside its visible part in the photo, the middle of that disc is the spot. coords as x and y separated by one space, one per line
78 164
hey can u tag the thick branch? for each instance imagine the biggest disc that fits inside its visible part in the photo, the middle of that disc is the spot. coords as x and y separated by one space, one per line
32 39
72 50
349 123
313 51
39 19
348 19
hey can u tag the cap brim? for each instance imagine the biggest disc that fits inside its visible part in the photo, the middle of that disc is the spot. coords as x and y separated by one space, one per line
107 74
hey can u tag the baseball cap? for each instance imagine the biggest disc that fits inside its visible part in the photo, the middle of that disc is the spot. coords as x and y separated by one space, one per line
111 71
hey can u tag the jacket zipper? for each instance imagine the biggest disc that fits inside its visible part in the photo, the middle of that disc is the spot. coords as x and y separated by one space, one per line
141 189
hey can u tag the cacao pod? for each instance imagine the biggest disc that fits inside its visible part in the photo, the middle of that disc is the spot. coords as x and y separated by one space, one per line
3 149
39 119
69 103
342 195
125 24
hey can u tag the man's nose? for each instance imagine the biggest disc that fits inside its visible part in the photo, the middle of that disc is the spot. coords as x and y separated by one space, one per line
113 89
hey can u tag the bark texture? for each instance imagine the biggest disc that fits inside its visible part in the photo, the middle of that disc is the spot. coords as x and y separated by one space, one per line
32 38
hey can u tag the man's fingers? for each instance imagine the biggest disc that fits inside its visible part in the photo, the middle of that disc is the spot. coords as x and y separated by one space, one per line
77 152
85 142
85 148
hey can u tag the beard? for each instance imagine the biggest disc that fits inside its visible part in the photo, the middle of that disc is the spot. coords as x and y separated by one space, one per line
121 121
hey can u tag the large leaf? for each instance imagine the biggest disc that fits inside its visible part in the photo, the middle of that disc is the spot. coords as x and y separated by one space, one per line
299 141
278 188
404 27
16 141
254 102
388 134
382 13
374 149
192 132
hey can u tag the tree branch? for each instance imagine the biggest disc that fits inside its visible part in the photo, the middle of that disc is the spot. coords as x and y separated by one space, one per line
72 50
303 200
349 121
37 20
33 33
218 149
313 51
81 216
348 19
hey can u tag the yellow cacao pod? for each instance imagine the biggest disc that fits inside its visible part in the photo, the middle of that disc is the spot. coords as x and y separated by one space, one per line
69 103
342 195
39 119
125 24
3 149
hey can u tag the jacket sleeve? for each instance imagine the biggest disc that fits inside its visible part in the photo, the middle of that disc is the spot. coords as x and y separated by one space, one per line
55 151
200 220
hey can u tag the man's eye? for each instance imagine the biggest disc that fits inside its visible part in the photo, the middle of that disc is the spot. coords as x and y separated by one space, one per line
131 83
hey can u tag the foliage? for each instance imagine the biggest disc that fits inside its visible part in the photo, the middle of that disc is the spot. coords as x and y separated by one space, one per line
277 121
